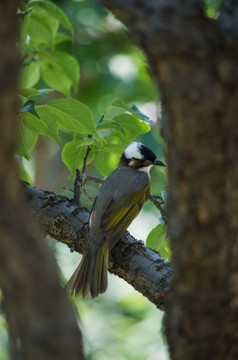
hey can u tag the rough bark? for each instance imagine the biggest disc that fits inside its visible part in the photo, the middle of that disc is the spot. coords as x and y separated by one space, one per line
194 59
41 320
140 266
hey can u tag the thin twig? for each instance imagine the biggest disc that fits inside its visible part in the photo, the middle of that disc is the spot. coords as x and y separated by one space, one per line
28 62
86 177
85 159
154 200
77 187
101 119
66 188
84 192
22 14
86 156
159 197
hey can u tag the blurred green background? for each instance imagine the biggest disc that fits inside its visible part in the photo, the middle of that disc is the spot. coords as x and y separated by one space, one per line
121 324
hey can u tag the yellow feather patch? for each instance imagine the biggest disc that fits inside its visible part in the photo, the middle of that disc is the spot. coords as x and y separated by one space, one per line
117 217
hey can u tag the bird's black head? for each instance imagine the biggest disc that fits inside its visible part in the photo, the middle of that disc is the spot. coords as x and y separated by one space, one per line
139 156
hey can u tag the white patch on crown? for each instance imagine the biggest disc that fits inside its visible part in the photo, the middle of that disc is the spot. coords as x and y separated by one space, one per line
133 151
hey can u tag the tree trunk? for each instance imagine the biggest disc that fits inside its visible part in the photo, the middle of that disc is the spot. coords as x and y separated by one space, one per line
194 59
41 321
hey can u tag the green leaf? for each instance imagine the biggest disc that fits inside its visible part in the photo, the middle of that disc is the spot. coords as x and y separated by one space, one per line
106 162
165 250
23 43
62 37
56 12
23 174
26 140
73 155
30 92
112 148
43 92
110 113
108 125
142 116
51 119
59 71
29 107
126 126
156 237
119 103
133 109
85 141
73 116
35 124
131 125
42 27
30 75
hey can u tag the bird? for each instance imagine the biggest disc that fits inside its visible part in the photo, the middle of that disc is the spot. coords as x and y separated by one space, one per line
119 201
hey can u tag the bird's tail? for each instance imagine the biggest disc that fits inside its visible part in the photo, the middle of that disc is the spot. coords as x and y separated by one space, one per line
91 273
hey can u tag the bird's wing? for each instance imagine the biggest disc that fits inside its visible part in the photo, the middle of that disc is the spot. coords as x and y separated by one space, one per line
124 206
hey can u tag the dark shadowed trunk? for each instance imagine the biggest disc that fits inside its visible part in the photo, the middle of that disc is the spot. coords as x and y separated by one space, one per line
41 321
194 59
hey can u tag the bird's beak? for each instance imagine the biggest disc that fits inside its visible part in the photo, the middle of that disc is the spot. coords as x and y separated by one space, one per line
158 162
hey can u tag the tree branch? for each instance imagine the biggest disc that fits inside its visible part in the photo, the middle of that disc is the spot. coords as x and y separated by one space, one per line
140 266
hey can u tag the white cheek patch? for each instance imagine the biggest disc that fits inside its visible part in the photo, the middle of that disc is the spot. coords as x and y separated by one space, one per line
131 163
133 151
